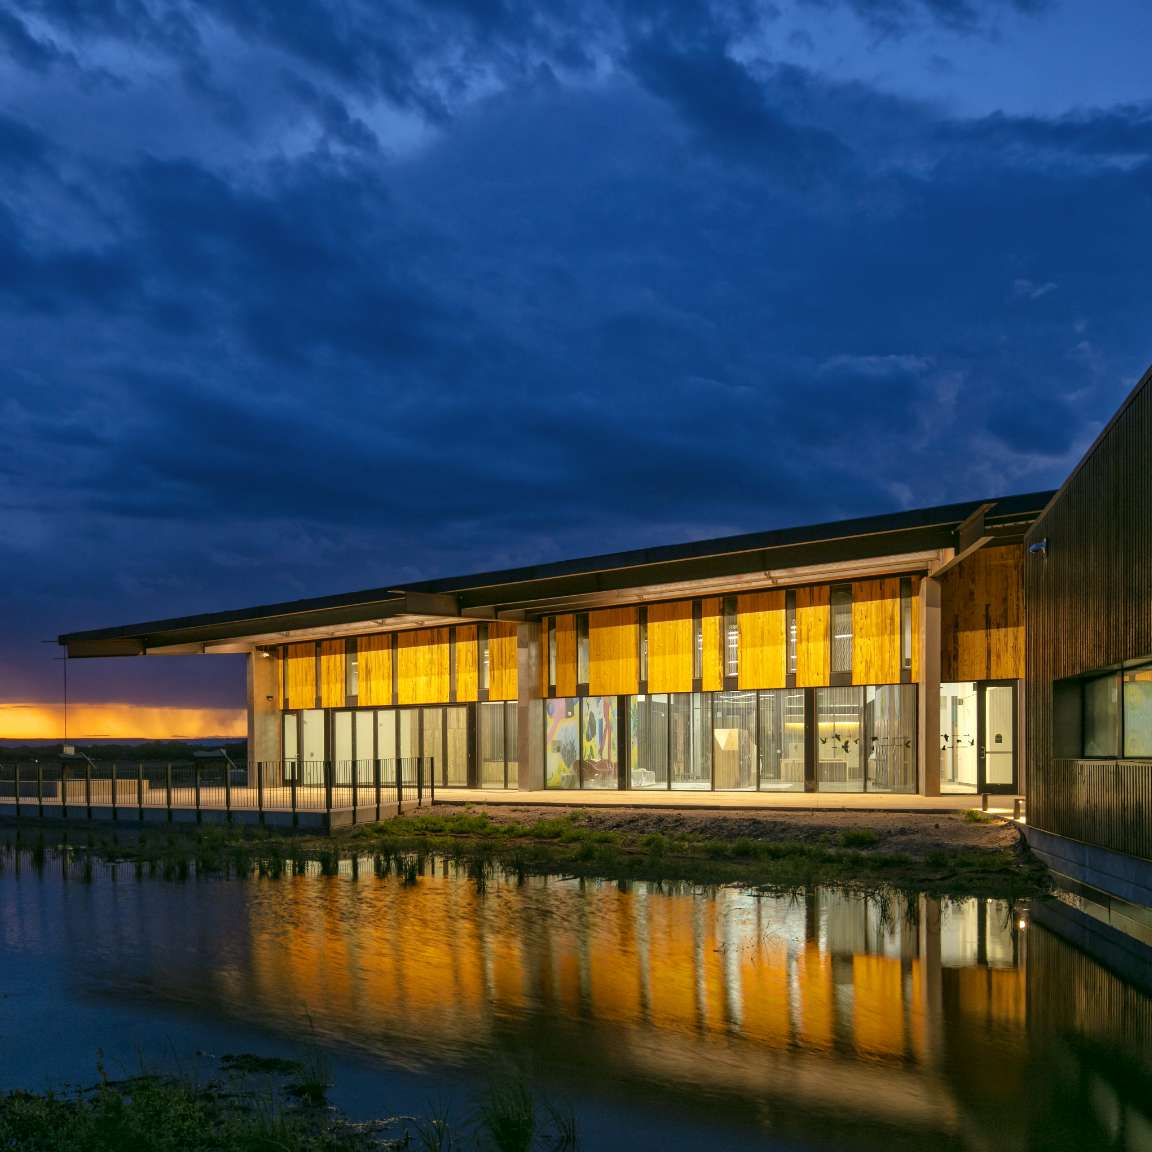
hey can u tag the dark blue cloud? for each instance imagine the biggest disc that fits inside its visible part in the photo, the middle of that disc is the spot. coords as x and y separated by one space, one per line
357 294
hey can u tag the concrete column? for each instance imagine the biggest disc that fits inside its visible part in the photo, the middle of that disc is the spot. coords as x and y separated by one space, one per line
928 726
529 718
263 715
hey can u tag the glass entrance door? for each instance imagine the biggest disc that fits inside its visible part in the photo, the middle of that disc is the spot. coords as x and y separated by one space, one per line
997 748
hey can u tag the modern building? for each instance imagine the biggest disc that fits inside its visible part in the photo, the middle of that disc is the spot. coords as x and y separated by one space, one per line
877 655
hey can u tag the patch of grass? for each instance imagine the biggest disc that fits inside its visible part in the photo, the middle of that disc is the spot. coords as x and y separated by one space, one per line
975 816
859 838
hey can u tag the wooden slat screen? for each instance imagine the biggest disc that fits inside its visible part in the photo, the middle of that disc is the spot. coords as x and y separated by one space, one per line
712 660
982 617
300 660
670 647
813 654
613 663
566 655
422 659
502 668
374 670
763 639
876 631
467 672
332 673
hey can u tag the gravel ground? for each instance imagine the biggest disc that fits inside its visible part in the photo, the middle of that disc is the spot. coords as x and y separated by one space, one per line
914 833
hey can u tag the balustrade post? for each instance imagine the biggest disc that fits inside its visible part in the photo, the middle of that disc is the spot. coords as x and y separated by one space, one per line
399 785
196 786
168 790
64 789
292 785
39 789
16 775
114 815
260 790
376 783
88 788
140 791
228 790
329 770
355 787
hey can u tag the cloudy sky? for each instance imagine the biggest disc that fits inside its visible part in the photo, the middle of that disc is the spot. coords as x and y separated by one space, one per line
300 296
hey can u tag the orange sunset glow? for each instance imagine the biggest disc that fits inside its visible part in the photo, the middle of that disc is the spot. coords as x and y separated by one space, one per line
39 721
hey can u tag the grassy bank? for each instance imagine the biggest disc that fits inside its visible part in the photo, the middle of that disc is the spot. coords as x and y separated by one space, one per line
940 853
254 1104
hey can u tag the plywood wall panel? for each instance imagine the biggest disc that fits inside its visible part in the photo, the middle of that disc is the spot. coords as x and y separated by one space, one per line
300 674
813 650
917 628
876 631
422 666
712 658
467 667
670 647
332 673
502 669
762 621
613 650
982 617
566 655
374 670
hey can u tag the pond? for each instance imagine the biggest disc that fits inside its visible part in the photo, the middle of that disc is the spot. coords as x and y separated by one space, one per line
664 1016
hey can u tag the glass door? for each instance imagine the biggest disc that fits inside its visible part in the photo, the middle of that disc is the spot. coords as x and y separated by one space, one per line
997 747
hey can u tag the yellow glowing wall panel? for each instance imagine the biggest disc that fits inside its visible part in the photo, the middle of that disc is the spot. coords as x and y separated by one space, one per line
761 619
544 680
916 628
565 655
878 1005
422 666
613 653
300 674
502 675
332 673
374 670
982 617
467 674
812 645
670 647
711 663
876 631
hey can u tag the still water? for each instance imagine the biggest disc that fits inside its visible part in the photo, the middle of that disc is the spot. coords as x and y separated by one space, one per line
666 1016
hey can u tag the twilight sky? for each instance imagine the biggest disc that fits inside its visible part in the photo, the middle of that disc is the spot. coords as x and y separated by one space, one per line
302 296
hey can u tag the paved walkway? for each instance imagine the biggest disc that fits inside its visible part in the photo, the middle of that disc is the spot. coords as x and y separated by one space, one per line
822 801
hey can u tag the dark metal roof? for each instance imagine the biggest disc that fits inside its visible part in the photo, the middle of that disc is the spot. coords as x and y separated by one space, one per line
486 593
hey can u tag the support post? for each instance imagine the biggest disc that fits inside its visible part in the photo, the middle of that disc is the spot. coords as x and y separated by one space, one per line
329 770
260 789
529 720
139 790
228 790
17 787
64 789
376 784
263 714
88 788
928 720
196 784
115 815
400 785
168 791
39 789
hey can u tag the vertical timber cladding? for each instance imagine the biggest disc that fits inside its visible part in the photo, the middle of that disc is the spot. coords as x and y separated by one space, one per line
566 655
374 670
761 619
917 624
422 670
332 673
467 668
712 640
502 672
876 631
300 675
982 617
670 647
1089 608
613 652
813 643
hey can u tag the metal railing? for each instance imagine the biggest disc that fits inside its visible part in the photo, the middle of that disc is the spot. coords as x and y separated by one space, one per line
362 789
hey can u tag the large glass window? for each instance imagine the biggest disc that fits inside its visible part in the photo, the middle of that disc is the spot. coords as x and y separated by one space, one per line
841 625
734 751
890 725
490 719
365 723
731 638
959 720
291 741
690 741
782 740
562 743
511 743
648 731
351 669
1138 712
599 718
342 742
456 747
1102 716
839 763
312 750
